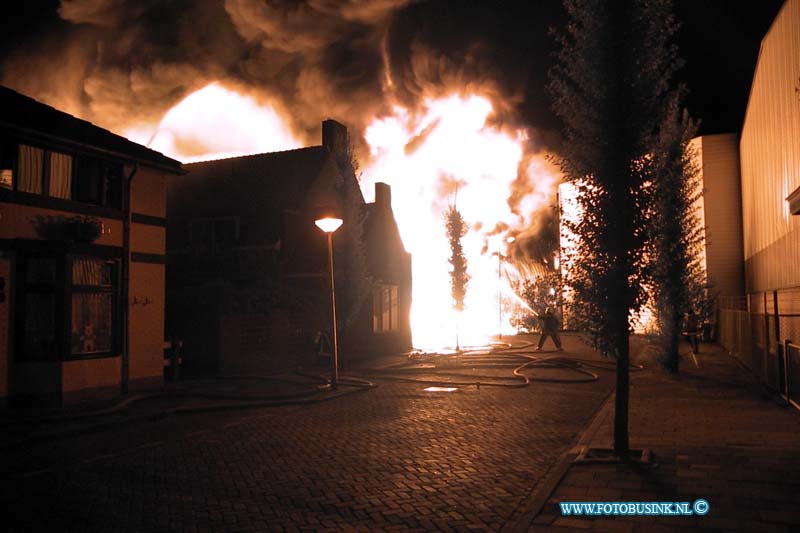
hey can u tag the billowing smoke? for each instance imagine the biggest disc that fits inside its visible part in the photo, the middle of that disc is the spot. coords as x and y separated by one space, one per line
118 62
121 63
124 64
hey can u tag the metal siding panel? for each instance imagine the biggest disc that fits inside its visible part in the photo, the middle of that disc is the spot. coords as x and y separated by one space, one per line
722 211
770 158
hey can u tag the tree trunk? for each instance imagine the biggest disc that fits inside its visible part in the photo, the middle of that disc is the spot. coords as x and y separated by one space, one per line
621 445
671 331
674 346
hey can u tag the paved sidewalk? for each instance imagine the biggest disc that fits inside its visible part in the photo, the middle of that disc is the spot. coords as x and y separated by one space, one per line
715 434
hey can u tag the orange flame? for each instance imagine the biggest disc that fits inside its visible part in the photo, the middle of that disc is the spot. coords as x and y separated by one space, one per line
450 154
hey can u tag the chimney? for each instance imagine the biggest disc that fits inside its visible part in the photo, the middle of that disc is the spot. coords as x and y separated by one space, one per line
383 196
334 138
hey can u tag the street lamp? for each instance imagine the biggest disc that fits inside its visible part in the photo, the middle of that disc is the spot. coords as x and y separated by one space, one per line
329 224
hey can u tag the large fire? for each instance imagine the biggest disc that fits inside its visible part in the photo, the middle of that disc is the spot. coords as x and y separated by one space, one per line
449 155
444 153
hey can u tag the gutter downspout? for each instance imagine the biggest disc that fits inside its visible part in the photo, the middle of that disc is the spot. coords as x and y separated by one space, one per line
126 281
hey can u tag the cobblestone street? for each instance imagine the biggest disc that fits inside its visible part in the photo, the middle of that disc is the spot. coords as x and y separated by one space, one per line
393 457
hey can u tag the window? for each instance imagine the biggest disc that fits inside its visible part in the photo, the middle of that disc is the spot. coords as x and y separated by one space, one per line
83 178
211 235
226 233
62 295
8 164
93 297
31 169
60 185
385 309
98 182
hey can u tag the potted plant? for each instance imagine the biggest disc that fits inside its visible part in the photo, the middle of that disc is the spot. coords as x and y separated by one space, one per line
83 229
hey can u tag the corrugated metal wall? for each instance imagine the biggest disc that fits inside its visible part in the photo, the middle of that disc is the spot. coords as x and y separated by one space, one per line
770 159
722 210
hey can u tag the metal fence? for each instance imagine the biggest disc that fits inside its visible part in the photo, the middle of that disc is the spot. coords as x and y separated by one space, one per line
762 331
793 373
735 335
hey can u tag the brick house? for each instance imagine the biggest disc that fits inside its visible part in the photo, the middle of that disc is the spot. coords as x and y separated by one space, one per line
82 231
248 286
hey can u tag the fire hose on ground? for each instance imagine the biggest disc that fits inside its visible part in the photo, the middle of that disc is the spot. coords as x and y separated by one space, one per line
448 368
522 359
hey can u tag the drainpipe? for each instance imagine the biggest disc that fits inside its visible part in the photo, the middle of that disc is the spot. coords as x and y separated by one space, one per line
126 280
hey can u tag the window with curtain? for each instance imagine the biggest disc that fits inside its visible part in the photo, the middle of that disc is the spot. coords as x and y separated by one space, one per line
67 308
30 167
93 296
60 175
81 178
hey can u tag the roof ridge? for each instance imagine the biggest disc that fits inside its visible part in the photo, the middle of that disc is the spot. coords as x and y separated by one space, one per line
260 154
80 123
9 89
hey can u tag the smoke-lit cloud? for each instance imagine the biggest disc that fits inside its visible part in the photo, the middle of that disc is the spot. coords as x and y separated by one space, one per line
107 13
117 62
123 64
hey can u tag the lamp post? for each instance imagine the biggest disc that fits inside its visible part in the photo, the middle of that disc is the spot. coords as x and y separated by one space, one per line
329 224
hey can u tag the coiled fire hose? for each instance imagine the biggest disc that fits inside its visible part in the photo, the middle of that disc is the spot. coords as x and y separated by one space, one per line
448 367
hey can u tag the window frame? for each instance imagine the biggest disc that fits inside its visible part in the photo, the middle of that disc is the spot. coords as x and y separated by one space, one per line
214 247
104 182
114 289
48 174
9 150
63 290
112 170
381 323
23 288
45 170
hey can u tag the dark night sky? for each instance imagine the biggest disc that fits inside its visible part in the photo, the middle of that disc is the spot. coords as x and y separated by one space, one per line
507 42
